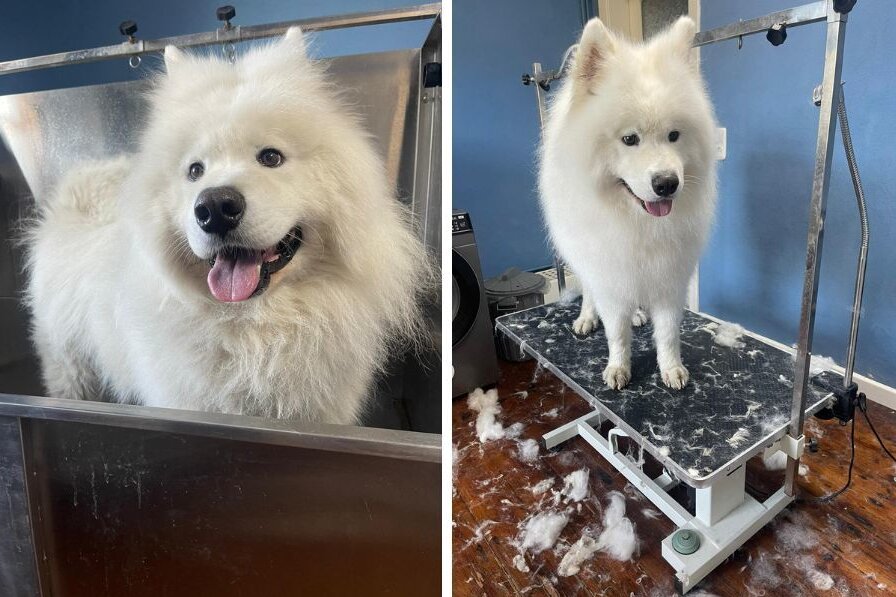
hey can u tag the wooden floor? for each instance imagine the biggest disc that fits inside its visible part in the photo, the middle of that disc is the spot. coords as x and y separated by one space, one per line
846 547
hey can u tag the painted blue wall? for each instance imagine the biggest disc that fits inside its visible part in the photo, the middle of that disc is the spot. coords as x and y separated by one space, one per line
34 28
752 270
495 120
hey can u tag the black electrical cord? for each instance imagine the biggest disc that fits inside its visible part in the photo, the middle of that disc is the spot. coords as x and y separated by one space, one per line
823 499
874 431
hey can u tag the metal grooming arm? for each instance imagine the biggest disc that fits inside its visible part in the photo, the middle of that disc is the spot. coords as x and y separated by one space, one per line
542 80
226 34
729 532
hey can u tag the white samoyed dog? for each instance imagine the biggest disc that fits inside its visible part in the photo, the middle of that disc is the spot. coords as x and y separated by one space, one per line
250 258
627 186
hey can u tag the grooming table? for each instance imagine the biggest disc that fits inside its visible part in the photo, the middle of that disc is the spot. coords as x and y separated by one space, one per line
735 405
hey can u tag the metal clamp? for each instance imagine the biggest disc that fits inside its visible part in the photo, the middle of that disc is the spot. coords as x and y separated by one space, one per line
792 447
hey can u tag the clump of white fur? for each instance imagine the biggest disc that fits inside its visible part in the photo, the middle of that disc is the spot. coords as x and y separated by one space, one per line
777 461
726 334
528 450
541 531
485 404
575 486
617 539
592 185
118 266
580 551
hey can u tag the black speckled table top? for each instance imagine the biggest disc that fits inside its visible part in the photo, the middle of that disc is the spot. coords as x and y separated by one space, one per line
736 403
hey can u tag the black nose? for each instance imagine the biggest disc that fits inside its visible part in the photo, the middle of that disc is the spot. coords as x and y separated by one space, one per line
219 210
664 184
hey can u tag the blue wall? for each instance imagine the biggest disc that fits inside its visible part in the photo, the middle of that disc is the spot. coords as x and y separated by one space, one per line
34 28
495 120
752 270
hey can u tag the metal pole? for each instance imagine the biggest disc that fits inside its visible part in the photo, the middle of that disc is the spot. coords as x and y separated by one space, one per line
827 122
232 35
863 246
539 97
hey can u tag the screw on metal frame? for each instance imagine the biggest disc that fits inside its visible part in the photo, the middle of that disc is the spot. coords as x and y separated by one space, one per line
226 13
128 29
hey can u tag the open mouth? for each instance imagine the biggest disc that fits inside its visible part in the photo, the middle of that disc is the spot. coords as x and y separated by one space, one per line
660 208
239 273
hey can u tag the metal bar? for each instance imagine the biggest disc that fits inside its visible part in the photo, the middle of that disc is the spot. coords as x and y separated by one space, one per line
792 17
537 74
806 14
233 35
566 432
407 445
827 123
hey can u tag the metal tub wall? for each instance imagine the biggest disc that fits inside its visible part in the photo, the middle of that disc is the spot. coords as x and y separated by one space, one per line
109 499
134 501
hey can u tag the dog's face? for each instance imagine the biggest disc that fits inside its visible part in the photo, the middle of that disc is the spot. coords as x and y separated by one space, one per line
246 165
641 112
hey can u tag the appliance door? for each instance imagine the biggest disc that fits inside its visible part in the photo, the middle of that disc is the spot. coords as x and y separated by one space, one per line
466 297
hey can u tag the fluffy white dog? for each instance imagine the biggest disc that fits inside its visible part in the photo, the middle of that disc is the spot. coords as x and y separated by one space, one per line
627 185
250 258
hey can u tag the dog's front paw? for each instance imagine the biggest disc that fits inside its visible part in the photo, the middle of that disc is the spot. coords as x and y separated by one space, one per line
584 324
675 377
617 376
639 318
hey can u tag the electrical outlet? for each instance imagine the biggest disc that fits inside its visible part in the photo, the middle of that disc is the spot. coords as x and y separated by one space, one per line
721 149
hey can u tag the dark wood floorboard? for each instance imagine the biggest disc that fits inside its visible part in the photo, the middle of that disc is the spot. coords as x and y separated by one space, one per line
852 540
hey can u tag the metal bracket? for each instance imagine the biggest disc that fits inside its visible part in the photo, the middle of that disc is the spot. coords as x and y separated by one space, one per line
792 447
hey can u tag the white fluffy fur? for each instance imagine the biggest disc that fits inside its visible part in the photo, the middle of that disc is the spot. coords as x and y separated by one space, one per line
624 256
118 264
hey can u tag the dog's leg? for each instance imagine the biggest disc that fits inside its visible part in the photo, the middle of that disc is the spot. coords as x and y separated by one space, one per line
666 324
587 320
618 328
639 318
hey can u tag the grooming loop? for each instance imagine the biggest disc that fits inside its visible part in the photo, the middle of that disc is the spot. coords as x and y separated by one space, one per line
229 52
721 516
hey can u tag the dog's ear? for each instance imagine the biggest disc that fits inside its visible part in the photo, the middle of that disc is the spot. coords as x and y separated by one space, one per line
595 46
174 57
293 43
679 40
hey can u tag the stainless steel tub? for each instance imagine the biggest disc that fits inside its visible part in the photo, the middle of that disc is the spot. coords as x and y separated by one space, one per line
109 499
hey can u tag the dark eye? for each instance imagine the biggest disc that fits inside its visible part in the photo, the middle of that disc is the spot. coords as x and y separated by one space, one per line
673 136
196 171
631 140
270 157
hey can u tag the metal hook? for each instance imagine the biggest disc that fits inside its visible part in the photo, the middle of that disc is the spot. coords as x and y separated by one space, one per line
230 52
134 61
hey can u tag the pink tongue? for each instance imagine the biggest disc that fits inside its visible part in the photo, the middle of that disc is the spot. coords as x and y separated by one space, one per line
659 208
234 279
